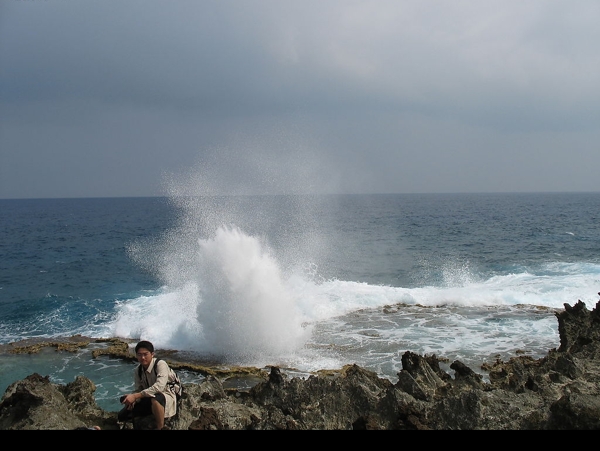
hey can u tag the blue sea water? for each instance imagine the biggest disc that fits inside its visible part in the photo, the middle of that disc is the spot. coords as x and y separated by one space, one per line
303 282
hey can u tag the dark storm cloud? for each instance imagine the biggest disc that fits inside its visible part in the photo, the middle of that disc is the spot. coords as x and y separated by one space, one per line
105 97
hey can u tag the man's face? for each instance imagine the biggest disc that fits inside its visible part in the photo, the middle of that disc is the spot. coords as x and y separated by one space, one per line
144 356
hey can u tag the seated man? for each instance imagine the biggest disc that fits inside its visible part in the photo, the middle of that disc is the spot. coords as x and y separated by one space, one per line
152 395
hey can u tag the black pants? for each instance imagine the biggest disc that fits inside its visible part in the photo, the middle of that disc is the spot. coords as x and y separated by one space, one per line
141 408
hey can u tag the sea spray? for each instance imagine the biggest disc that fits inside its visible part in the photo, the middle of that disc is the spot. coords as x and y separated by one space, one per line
232 301
232 292
245 307
167 319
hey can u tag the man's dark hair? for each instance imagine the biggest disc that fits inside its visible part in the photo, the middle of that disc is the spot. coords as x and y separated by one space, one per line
144 344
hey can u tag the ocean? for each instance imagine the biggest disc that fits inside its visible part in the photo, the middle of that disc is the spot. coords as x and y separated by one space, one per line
301 282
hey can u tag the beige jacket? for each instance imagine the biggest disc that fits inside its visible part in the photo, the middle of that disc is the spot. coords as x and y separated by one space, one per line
151 383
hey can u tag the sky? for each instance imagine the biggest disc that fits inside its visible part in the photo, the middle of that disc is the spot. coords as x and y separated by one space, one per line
112 98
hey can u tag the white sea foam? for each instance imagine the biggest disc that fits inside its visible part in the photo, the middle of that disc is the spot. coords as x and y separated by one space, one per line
237 303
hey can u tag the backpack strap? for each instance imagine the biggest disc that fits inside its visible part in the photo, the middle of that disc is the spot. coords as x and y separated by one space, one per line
155 365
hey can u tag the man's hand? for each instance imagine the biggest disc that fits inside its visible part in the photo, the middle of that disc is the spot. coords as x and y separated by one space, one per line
130 400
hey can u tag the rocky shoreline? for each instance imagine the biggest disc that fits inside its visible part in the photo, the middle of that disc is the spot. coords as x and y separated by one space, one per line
558 391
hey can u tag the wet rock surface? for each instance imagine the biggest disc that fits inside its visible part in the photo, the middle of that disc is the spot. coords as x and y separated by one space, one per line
558 391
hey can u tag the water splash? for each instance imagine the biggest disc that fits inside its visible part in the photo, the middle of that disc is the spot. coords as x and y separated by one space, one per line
227 297
246 307
228 290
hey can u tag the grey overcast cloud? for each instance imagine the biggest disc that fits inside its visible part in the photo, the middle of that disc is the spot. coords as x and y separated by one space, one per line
111 98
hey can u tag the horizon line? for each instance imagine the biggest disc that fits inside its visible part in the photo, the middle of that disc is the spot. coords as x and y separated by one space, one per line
303 194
